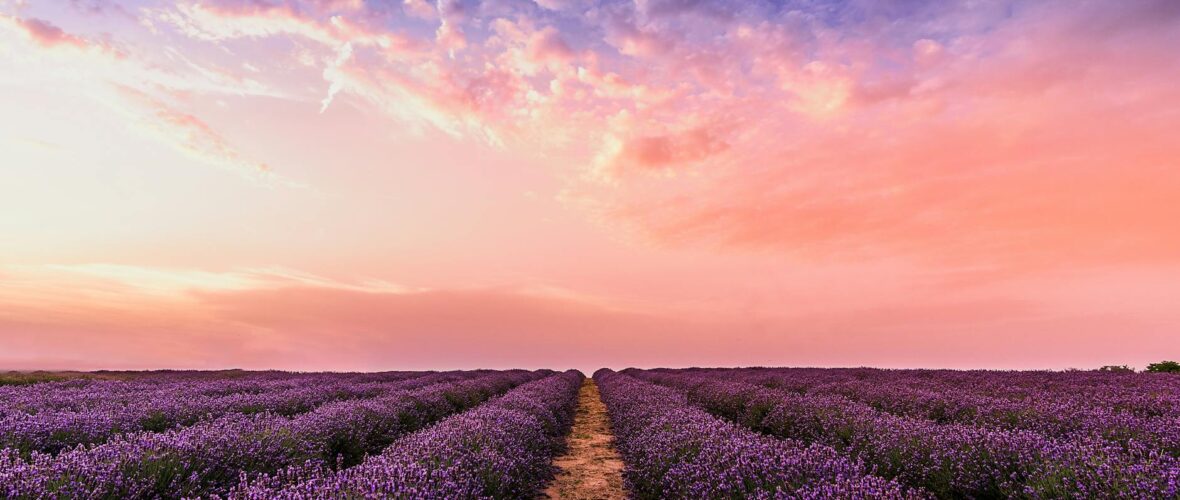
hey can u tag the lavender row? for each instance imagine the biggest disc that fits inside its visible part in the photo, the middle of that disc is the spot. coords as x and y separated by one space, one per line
53 431
1141 394
501 449
212 456
674 450
90 394
1053 416
951 460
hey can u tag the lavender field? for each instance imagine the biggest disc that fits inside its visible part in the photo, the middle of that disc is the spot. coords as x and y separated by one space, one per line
673 433
638 189
857 433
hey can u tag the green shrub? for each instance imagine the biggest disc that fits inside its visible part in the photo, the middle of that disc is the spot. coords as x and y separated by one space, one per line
1117 369
1164 367
27 378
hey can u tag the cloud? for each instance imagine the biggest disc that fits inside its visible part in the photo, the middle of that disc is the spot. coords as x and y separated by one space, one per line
331 73
253 20
138 89
47 35
120 316
259 317
192 136
547 45
630 154
420 9
994 146
978 158
558 5
672 149
985 134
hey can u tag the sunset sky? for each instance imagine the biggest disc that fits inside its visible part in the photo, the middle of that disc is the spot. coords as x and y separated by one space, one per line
363 184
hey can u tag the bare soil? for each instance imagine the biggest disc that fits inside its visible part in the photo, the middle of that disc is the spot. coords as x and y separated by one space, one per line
591 468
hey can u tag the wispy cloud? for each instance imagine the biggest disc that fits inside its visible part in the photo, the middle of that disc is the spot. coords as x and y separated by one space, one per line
821 129
194 137
956 135
138 90
44 33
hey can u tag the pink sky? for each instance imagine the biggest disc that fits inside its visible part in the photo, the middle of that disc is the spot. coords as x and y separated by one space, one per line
362 185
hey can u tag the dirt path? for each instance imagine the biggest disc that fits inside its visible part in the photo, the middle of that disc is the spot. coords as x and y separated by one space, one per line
591 468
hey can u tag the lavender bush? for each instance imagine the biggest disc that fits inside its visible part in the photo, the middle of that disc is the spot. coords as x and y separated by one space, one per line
948 460
501 449
53 427
674 450
211 456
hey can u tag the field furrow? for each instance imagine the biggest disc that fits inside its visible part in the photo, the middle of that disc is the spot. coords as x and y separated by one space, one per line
591 468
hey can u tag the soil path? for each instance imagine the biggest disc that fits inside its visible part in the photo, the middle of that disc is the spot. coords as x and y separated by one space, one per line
591 468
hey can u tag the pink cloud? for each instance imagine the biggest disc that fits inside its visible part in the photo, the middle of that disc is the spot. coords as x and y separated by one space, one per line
998 149
49 35
195 137
420 9
862 183
670 150
251 319
255 320
547 45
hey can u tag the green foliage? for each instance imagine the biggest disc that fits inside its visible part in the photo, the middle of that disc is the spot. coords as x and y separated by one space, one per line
156 421
26 378
1164 367
1117 369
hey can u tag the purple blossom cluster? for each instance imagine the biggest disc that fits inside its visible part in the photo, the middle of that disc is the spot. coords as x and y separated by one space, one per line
672 449
213 455
945 457
501 449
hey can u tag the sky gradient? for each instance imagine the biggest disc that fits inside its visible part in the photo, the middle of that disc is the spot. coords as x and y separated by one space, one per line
362 185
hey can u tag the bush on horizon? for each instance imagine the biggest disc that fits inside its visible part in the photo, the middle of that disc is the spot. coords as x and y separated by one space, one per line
1164 367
